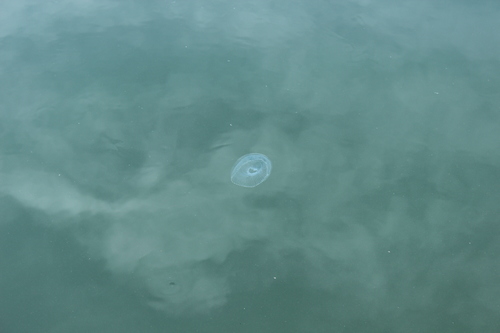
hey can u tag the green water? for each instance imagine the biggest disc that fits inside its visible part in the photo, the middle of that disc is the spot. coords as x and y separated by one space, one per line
120 122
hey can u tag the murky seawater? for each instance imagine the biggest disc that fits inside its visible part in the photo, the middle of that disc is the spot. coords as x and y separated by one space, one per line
120 123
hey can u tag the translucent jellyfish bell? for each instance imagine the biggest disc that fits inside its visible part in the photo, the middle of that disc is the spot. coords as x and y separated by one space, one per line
251 170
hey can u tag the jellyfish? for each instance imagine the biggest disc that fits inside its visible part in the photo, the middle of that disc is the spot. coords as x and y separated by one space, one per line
251 170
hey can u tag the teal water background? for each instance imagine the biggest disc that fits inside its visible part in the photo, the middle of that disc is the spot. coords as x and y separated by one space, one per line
120 122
